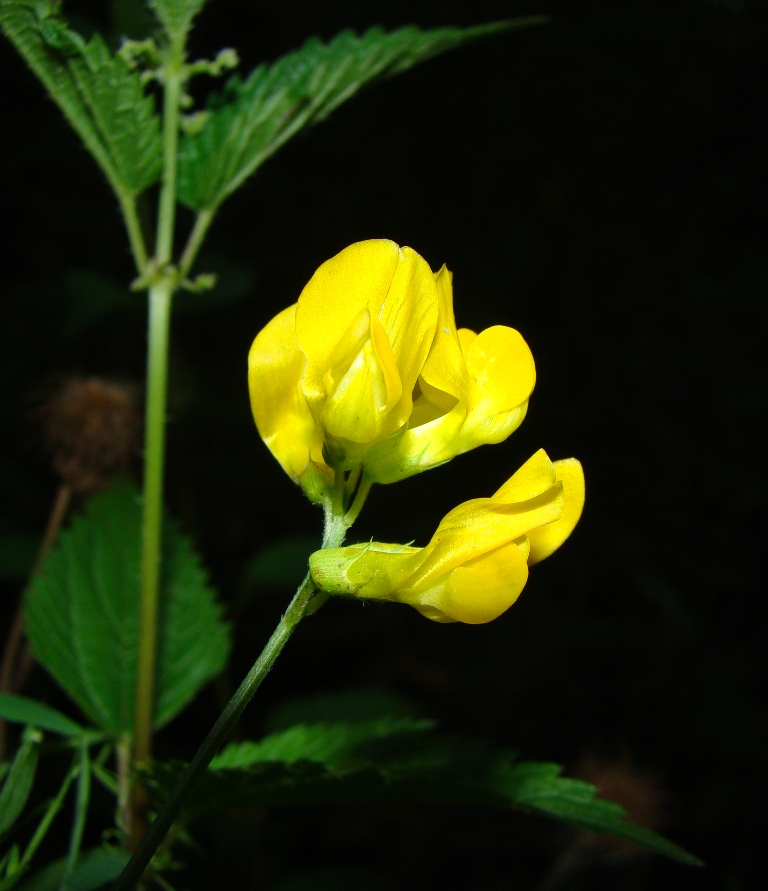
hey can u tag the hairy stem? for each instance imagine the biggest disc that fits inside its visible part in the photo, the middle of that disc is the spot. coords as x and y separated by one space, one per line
160 299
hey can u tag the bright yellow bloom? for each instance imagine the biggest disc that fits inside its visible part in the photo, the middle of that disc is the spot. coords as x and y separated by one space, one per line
476 564
472 390
369 369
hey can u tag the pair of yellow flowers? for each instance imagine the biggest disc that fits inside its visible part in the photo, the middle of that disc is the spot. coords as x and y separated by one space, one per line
368 374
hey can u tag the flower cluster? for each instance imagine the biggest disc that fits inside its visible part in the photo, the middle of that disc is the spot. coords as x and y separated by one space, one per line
367 379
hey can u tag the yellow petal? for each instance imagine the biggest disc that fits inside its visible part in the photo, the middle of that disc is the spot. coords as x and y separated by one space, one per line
396 286
501 363
535 476
547 539
362 384
409 316
478 591
444 374
481 525
283 419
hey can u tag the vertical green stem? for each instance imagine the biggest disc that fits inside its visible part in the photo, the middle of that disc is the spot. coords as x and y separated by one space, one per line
172 84
160 296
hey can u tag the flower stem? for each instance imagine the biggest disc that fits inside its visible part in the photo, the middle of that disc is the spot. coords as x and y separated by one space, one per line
221 729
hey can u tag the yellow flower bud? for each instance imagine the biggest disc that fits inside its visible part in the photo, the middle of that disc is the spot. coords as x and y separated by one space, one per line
476 564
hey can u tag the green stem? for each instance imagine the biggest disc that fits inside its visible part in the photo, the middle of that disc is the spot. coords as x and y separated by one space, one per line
196 236
81 812
160 296
221 729
53 808
172 84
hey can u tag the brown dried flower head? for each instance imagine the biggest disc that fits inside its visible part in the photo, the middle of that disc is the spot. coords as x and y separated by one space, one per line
92 431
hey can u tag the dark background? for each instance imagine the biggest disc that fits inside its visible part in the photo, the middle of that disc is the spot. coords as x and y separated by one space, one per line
599 184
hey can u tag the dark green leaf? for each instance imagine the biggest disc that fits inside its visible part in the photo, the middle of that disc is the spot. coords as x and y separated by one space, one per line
22 710
100 96
176 15
400 759
194 640
541 789
18 781
82 614
332 744
93 870
251 119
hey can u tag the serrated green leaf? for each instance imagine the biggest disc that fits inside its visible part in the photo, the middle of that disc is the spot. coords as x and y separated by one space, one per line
176 15
333 744
82 614
22 710
540 788
251 119
399 759
93 870
18 781
100 96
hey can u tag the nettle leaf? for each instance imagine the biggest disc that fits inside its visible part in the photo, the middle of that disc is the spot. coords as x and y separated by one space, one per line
176 15
82 614
101 97
18 780
21 710
400 759
251 119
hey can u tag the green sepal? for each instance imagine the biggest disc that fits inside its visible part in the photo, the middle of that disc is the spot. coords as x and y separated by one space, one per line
252 118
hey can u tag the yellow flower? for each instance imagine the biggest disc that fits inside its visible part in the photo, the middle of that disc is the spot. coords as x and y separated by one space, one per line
369 369
472 390
476 564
